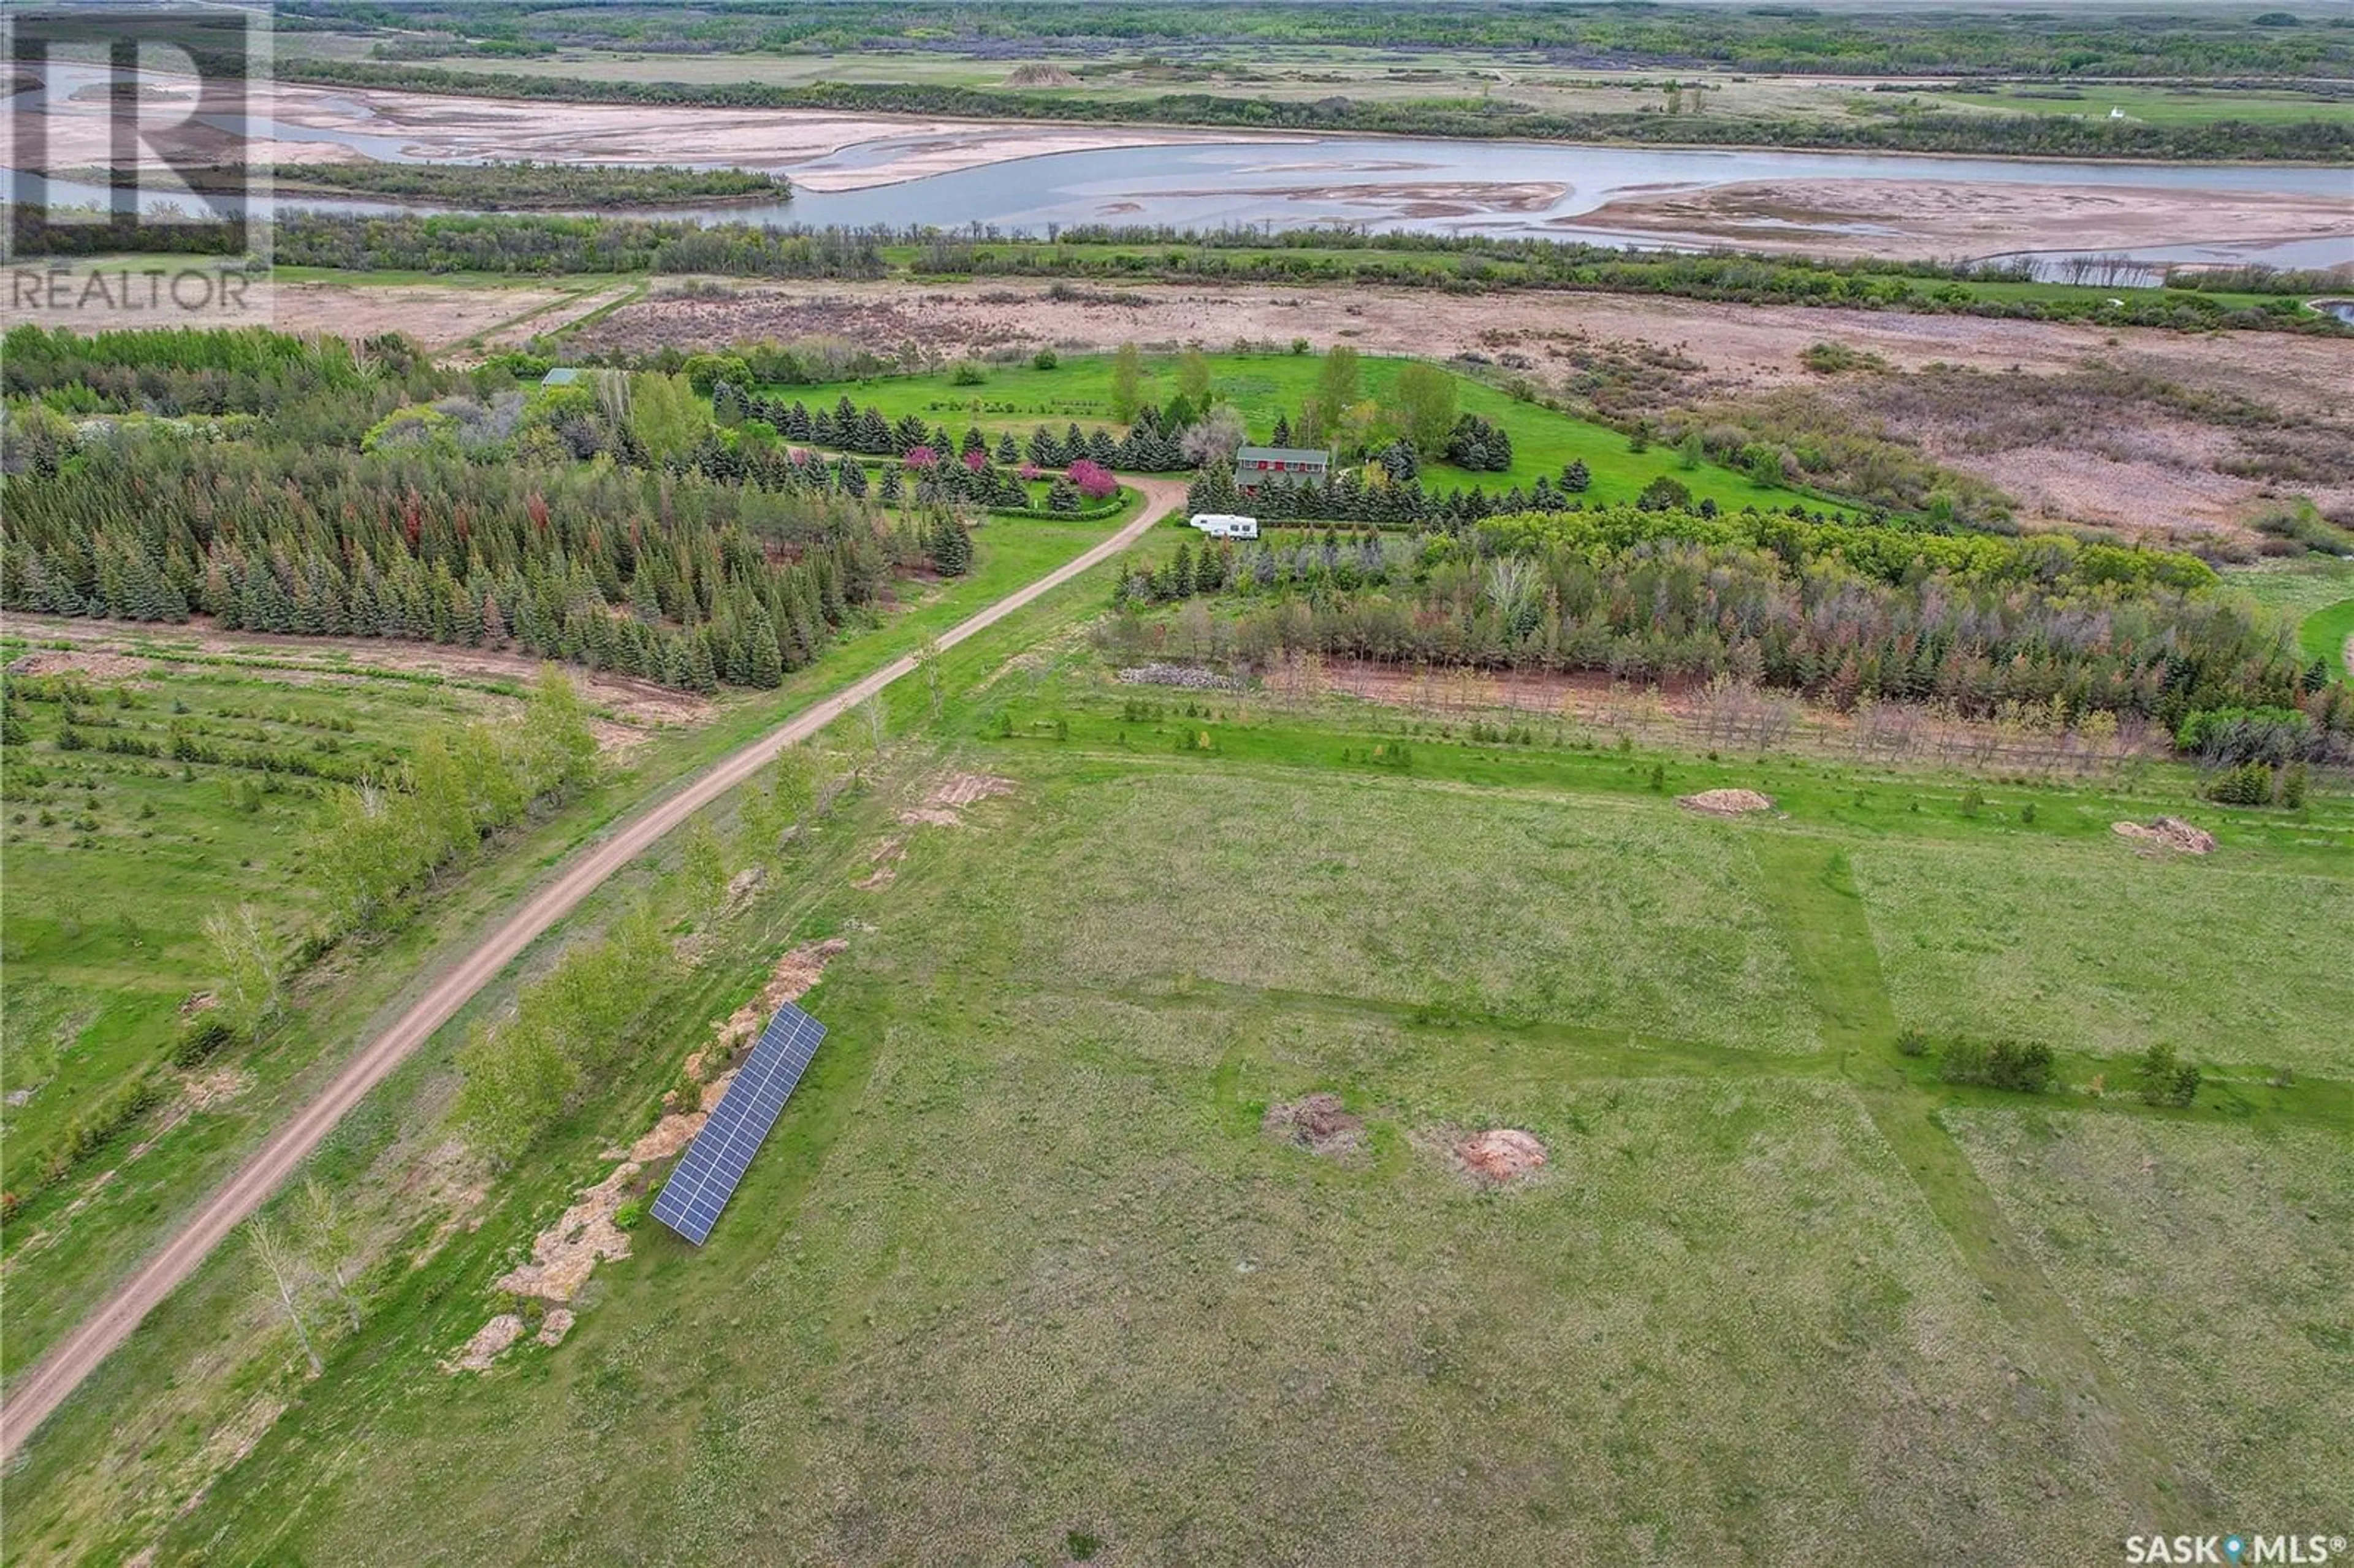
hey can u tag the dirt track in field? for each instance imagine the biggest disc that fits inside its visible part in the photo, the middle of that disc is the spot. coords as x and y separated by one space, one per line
46 1385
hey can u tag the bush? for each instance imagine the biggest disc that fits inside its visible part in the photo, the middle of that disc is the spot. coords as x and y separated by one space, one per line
2249 784
1665 494
627 1217
1044 359
205 1034
2025 1068
1912 1042
965 372
2165 1080
1092 481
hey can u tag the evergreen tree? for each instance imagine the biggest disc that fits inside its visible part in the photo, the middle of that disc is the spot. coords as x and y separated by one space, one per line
949 546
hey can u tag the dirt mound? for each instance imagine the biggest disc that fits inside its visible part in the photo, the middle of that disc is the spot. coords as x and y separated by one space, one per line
1316 1123
554 1326
490 1342
791 980
2167 833
943 804
567 1251
1500 1156
1037 75
1725 803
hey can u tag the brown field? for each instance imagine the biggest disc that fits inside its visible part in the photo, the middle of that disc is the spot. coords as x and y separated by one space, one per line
1948 217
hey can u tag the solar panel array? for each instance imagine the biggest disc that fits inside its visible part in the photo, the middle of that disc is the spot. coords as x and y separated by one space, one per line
705 1178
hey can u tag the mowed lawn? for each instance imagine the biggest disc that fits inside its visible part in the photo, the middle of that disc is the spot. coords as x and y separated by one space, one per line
1019 1278
1266 387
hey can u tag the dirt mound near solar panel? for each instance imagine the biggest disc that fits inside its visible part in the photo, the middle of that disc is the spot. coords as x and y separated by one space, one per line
1500 1156
1725 803
1317 1123
2167 834
944 804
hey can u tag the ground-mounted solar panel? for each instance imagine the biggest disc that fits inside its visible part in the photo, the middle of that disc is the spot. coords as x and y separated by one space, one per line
705 1177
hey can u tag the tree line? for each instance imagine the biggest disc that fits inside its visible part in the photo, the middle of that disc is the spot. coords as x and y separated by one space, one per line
541 245
2200 43
2317 140
670 579
1841 613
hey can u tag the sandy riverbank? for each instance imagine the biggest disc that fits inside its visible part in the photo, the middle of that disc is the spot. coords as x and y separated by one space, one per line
451 129
1951 218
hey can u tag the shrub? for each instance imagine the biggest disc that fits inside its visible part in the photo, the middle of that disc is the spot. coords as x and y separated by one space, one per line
1092 481
965 372
1912 1042
206 1034
1044 359
2249 784
2023 1066
1665 494
1973 801
2166 1080
627 1217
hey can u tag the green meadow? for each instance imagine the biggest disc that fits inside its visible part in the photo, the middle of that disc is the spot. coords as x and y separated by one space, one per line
1022 1275
1017 397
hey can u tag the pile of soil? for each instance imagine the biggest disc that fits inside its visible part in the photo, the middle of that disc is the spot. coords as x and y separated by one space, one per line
2167 833
1725 803
1036 75
1316 1123
942 805
490 1342
564 1255
1500 1156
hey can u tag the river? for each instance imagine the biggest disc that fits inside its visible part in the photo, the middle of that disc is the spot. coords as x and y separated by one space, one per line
1504 188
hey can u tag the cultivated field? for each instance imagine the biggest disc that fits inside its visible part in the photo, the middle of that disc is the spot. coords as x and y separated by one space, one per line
1021 1276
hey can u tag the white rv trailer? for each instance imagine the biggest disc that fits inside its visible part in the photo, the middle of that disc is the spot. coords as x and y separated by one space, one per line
1223 526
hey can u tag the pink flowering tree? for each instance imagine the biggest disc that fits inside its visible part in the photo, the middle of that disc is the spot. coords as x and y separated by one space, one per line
1030 471
975 461
921 459
1094 480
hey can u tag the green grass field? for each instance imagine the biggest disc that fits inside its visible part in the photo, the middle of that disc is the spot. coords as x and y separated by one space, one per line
1019 1278
2318 592
120 1199
1264 386
116 859
2158 105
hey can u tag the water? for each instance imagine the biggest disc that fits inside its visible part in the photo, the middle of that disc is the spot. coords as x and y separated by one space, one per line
1371 182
